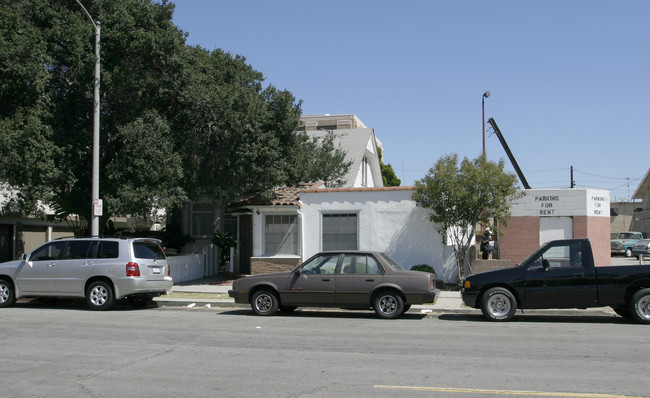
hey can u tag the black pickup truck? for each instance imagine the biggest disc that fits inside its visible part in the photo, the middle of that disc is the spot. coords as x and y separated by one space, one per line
560 274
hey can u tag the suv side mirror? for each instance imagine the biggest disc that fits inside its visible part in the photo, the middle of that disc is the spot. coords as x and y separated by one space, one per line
24 257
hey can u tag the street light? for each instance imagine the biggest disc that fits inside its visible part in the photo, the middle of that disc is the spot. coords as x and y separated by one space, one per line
96 204
485 95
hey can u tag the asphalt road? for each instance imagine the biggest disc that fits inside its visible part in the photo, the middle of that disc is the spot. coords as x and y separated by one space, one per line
69 351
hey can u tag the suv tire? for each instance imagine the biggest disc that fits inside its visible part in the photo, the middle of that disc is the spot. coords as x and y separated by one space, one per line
100 296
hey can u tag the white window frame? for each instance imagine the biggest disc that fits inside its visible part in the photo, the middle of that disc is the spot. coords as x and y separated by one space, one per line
294 230
339 213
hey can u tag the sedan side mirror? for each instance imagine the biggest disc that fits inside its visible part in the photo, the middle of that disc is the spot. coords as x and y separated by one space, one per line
297 272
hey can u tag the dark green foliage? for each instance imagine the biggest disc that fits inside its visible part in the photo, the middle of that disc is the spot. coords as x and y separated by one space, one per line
177 122
424 268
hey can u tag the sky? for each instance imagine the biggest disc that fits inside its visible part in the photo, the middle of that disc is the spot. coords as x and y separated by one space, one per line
569 81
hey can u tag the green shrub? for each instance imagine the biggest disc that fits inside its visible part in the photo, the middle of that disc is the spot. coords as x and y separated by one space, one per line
424 268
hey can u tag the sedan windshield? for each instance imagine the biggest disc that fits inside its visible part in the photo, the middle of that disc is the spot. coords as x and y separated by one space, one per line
392 262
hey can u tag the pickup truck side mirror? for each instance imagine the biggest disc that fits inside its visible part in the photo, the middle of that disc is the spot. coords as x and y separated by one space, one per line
545 264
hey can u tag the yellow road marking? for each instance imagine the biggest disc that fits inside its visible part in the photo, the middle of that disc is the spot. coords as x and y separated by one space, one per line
506 392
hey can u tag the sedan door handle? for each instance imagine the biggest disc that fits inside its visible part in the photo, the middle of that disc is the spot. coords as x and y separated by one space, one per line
326 280
370 280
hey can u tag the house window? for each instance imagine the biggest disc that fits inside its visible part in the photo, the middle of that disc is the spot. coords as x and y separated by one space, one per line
281 234
202 220
364 171
340 231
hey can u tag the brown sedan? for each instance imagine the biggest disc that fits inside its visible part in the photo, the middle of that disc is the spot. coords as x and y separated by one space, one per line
346 279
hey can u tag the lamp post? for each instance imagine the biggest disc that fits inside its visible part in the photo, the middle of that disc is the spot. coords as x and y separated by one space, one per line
485 95
96 204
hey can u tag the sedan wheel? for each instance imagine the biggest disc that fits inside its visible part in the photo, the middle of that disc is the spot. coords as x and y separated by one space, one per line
264 302
389 305
498 304
99 296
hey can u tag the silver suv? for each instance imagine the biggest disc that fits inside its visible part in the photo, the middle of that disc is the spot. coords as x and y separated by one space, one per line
102 270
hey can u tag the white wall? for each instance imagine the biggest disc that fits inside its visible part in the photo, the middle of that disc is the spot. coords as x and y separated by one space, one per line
388 221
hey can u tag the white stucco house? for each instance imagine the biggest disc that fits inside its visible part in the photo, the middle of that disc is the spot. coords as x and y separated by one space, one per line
301 221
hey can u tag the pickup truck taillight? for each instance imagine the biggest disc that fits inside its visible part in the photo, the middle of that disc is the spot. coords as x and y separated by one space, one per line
132 269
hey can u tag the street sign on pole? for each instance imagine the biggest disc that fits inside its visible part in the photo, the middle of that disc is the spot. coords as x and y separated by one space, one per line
98 209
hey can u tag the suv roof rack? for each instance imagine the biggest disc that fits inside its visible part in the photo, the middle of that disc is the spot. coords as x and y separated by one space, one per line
95 236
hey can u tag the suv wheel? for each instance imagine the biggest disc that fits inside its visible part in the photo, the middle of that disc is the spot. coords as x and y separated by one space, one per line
7 293
99 296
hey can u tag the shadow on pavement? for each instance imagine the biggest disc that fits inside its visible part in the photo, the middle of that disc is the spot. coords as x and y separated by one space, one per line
539 318
75 304
325 314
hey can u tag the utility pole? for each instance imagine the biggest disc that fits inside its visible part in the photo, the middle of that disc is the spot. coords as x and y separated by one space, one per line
96 203
572 182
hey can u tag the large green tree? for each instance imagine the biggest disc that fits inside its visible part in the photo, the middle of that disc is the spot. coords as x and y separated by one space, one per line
462 195
177 122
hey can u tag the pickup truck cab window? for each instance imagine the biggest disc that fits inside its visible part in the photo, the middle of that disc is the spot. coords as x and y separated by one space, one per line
562 256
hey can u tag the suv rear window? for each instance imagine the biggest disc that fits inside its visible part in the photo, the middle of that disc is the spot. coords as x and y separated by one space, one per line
148 249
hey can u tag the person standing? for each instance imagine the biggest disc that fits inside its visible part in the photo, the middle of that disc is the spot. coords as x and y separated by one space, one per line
485 243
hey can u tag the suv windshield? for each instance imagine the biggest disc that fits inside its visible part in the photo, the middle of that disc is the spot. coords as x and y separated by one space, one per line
148 249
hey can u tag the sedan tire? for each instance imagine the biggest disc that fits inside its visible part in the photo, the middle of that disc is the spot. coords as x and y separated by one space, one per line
264 302
498 304
100 296
640 306
7 293
388 305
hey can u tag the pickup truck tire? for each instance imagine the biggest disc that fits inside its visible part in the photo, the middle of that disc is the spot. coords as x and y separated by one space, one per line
640 306
628 252
498 304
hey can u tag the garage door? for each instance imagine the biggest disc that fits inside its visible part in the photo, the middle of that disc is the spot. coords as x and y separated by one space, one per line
553 228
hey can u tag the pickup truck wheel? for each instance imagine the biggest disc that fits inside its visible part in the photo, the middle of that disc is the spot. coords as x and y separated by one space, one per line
264 302
7 293
628 252
498 304
640 306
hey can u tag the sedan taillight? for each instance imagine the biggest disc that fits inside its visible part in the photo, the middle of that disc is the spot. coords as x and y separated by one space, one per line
132 269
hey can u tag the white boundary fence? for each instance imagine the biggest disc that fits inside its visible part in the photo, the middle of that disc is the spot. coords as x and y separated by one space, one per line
189 267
